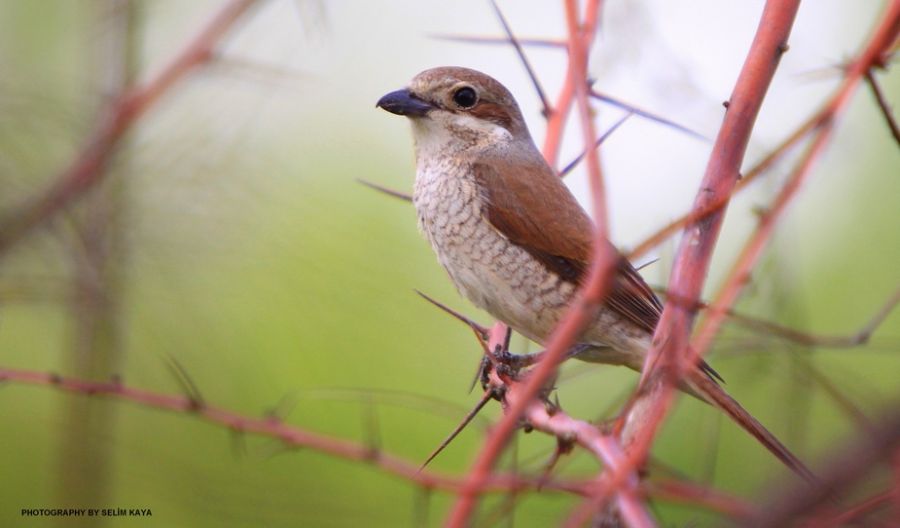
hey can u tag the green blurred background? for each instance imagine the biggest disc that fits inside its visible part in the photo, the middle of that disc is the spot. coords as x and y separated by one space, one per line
231 235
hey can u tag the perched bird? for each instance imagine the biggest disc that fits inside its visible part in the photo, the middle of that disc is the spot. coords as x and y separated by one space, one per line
514 240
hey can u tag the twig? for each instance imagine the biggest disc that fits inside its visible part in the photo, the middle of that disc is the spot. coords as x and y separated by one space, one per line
645 114
883 105
386 190
604 448
524 41
860 337
371 427
545 104
272 426
722 174
840 399
574 163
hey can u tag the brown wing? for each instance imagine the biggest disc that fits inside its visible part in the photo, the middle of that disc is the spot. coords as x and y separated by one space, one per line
561 240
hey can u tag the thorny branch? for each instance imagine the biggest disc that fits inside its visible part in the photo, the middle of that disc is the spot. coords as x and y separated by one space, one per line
272 426
668 357
884 35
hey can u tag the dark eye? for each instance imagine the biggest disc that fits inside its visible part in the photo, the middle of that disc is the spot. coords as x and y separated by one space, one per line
465 97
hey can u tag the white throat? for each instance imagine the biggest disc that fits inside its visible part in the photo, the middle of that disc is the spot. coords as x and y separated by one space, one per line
441 133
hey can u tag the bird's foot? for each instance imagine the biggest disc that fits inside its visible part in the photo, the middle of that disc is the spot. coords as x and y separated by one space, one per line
521 361
517 361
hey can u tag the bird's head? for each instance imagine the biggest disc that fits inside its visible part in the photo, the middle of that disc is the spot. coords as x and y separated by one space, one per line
458 108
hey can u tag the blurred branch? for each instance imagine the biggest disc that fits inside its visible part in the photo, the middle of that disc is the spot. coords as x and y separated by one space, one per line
94 350
687 493
838 396
272 427
865 507
857 458
557 118
290 436
185 381
395 398
87 169
860 337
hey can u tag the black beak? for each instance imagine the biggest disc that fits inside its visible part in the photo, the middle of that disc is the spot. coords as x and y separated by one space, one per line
402 102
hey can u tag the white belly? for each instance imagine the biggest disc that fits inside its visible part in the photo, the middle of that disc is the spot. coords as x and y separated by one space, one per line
495 275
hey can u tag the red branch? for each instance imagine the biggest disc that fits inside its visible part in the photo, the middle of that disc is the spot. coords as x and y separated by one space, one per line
86 171
556 423
882 38
722 173
289 435
667 356
557 118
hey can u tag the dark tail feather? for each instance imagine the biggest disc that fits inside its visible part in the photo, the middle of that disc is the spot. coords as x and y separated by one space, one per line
710 391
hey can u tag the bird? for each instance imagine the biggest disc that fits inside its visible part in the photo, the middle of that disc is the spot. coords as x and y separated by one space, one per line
513 238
